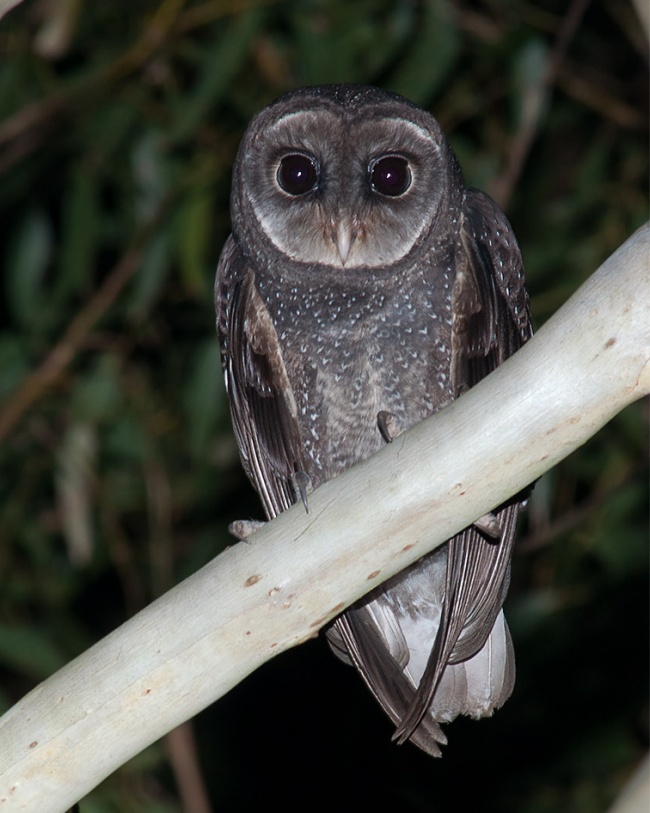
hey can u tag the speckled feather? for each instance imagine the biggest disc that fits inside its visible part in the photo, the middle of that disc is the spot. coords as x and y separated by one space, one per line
430 300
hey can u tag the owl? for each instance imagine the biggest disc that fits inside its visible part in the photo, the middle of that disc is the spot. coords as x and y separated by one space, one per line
363 288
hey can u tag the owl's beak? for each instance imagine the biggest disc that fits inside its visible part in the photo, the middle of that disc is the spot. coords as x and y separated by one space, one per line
343 235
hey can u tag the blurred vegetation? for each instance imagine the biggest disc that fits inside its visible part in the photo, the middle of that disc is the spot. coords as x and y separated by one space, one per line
118 470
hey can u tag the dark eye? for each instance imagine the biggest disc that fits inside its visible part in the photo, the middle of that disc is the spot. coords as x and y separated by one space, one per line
298 174
390 175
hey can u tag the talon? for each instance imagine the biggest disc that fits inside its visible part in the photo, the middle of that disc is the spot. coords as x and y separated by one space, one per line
388 426
243 528
489 525
302 486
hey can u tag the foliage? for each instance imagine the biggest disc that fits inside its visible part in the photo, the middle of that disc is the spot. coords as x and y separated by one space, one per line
118 470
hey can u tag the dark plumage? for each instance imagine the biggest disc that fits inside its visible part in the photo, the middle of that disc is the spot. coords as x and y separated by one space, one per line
363 288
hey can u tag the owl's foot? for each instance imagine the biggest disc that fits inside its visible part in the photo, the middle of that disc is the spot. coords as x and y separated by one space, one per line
302 486
243 528
388 425
489 525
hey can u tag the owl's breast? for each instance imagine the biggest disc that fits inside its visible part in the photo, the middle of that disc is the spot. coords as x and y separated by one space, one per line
352 360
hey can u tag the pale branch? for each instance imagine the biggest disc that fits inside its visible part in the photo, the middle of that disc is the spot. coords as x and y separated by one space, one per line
635 796
257 599
643 13
7 5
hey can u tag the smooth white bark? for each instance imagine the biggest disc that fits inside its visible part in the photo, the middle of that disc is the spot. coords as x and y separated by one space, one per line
635 797
7 5
257 599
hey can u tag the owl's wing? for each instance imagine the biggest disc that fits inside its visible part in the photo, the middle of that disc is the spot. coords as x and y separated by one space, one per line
490 321
356 638
262 405
491 318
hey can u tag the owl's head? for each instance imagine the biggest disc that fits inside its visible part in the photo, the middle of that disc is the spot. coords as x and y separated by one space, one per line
342 176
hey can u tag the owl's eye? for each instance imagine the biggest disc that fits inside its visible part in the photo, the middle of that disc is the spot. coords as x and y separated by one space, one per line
298 174
390 175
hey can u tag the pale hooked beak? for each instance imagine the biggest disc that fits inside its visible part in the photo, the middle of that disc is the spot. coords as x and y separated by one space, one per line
343 235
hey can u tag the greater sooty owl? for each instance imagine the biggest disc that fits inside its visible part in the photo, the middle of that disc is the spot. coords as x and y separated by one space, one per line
363 288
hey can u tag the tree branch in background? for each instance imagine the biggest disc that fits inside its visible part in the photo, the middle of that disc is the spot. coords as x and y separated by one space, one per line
521 145
64 351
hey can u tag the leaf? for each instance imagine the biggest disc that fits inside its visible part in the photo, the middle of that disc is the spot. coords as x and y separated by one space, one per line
150 277
29 257
152 169
76 460
430 56
193 232
204 397
530 94
14 363
79 233
216 70
97 397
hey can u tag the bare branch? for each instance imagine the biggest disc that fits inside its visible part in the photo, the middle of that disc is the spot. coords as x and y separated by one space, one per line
255 600
635 795
7 5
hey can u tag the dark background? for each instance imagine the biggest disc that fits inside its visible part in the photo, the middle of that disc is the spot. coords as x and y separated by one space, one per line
118 469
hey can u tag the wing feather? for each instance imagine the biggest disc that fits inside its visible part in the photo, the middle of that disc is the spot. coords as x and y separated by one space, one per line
261 399
384 677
